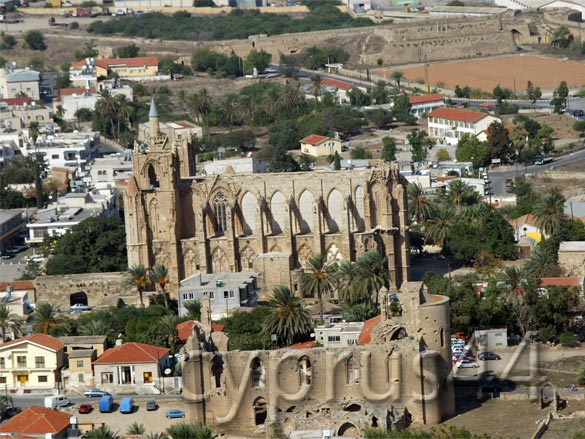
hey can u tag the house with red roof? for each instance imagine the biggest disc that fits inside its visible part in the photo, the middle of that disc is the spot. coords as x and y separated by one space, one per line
450 124
525 227
424 104
37 421
340 88
320 146
569 282
126 68
131 364
31 363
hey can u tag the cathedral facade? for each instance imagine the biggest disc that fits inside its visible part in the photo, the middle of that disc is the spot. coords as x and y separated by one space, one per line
270 223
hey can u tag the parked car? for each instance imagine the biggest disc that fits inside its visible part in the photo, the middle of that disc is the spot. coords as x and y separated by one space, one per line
80 307
578 113
96 393
151 405
127 405
85 408
489 356
175 413
464 364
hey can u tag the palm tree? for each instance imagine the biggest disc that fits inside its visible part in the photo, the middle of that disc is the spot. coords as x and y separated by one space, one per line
45 317
139 279
229 110
419 206
156 436
96 327
548 211
106 107
200 105
135 428
292 98
541 264
514 278
168 325
9 323
372 274
190 430
123 111
461 195
272 104
440 223
318 279
346 277
104 432
288 319
317 81
193 308
397 77
159 275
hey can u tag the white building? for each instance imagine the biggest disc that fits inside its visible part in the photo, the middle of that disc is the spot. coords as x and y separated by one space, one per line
243 165
108 171
449 124
69 211
491 338
424 104
226 291
577 5
338 335
64 149
73 99
16 82
175 130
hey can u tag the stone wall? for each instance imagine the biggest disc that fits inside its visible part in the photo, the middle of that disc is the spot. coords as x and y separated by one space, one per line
101 289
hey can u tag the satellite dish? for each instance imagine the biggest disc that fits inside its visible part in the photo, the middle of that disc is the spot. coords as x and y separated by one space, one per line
167 371
312 335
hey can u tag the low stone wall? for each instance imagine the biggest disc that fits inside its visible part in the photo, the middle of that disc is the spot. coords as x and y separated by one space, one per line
102 289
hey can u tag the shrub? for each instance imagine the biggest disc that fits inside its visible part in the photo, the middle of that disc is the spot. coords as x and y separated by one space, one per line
35 40
581 376
74 25
568 339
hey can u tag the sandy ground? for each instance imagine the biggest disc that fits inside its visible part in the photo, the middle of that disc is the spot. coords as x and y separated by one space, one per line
512 72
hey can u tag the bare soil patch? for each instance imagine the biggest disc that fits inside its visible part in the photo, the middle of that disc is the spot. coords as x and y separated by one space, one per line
562 124
512 72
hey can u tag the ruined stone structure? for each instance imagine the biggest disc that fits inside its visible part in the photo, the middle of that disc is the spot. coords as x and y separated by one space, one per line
268 223
402 375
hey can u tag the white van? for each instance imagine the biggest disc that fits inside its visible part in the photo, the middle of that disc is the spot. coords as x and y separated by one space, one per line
52 402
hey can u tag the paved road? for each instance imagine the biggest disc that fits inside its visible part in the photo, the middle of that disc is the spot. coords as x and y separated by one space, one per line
24 401
499 175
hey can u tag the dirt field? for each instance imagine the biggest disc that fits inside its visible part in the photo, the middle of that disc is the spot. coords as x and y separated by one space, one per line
512 72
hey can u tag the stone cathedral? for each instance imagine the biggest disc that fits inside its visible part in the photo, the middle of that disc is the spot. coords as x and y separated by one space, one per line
269 223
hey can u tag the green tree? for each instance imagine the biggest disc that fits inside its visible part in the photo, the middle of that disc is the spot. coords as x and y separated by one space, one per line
139 278
358 98
471 149
89 50
359 153
96 327
168 325
419 205
372 274
389 149
346 281
193 308
46 317
159 275
104 432
548 211
257 59
318 279
35 40
443 155
420 142
401 109
9 323
131 51
380 94
559 100
8 41
533 93
190 430
440 223
498 142
579 126
135 428
397 77
560 37
336 161
287 319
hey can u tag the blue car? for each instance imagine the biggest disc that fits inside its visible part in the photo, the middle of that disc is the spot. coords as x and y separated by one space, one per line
175 413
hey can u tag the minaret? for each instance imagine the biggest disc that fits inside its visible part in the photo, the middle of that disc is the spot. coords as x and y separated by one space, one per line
153 119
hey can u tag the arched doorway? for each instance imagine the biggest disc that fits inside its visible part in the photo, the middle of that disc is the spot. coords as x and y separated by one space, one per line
78 297
348 430
260 411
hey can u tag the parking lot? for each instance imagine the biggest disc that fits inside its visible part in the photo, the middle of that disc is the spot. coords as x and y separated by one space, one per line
153 421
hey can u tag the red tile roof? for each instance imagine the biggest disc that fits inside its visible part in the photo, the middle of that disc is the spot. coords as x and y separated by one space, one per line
341 85
303 345
185 329
314 139
423 99
76 91
16 101
132 353
37 420
457 114
44 340
562 282
18 285
366 334
122 62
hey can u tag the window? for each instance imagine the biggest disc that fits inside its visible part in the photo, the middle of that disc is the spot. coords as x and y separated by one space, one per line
39 362
2 363
54 156
334 338
79 363
211 295
219 210
21 361
147 377
191 295
43 379
107 377
2 380
257 373
231 294
225 294
80 378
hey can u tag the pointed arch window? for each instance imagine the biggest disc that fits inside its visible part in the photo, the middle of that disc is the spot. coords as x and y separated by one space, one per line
220 211
152 179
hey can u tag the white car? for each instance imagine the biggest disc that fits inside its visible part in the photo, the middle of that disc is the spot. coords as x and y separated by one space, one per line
80 307
467 364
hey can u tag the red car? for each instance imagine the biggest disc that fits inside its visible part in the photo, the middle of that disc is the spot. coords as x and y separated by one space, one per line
84 408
